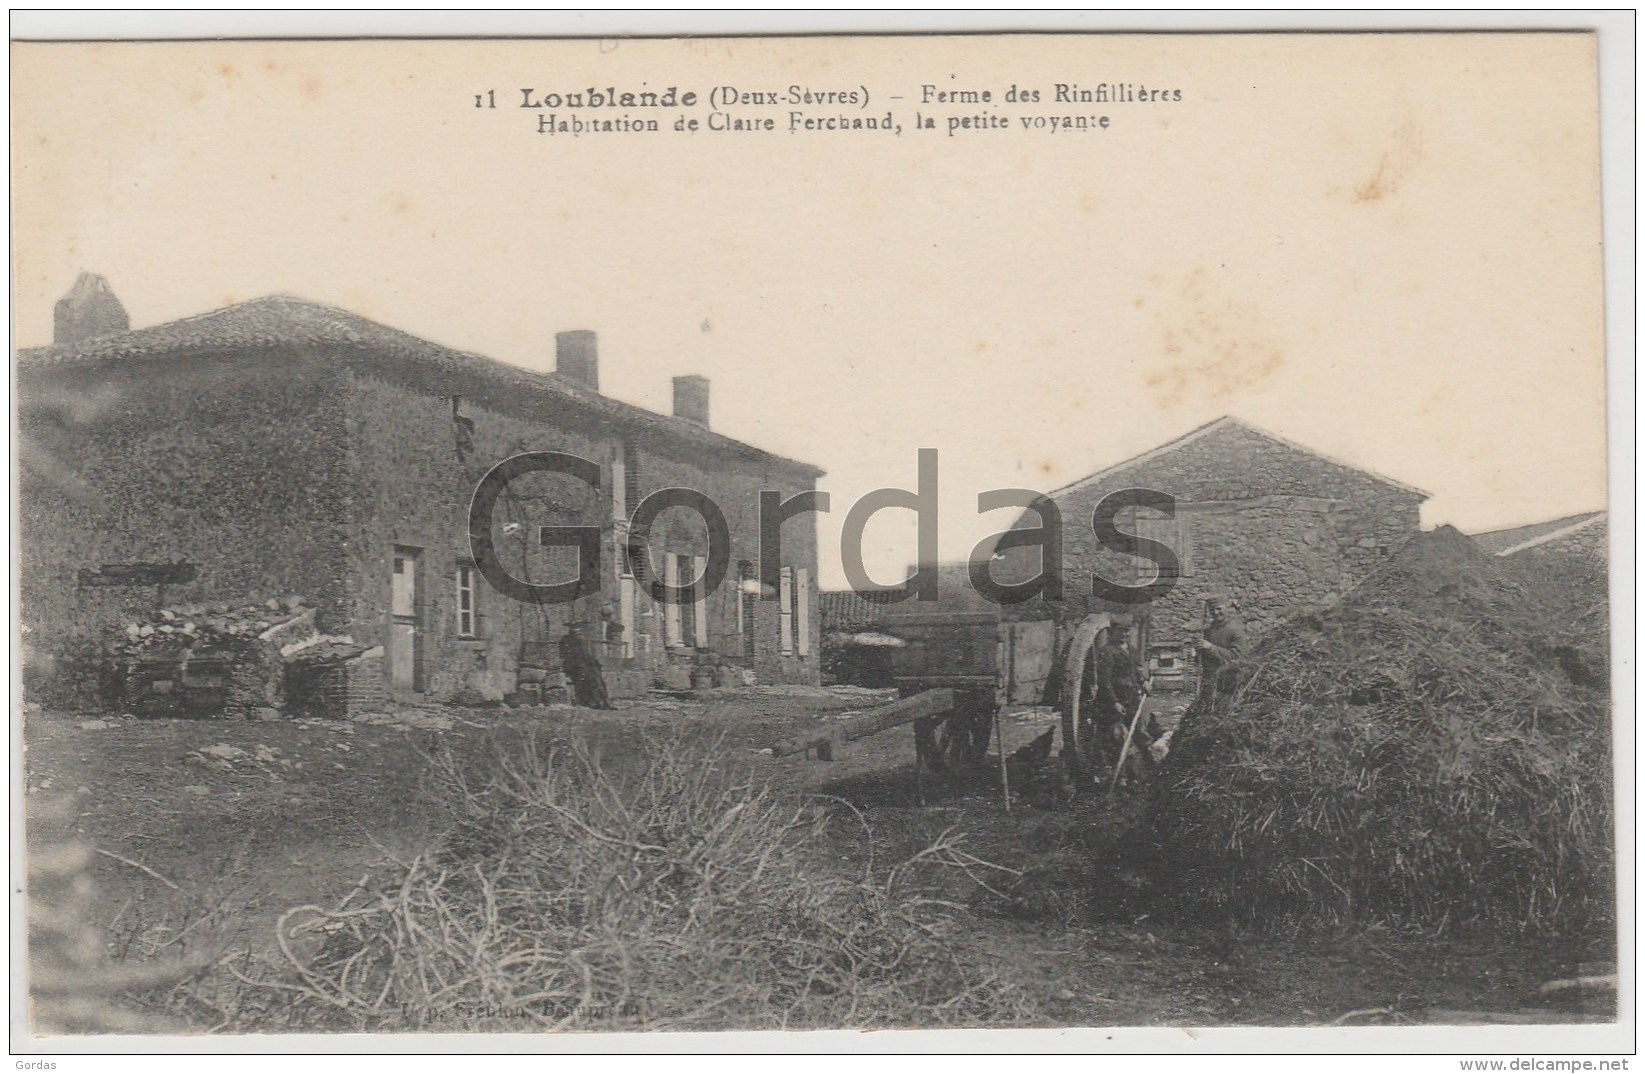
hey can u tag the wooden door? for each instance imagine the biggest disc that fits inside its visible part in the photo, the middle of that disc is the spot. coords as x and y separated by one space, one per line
405 622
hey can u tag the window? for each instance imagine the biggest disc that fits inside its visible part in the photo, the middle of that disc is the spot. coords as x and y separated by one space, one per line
685 623
468 601
463 427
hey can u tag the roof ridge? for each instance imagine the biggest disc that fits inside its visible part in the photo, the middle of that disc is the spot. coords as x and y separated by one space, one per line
306 320
1384 478
1186 438
1563 531
1226 420
1570 519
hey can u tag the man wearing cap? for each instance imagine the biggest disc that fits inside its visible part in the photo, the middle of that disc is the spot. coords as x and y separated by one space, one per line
1222 645
1121 684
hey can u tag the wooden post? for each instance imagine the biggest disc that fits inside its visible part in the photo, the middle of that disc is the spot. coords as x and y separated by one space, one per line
999 739
930 704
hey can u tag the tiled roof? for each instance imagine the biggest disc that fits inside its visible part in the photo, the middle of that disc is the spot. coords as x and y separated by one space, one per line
282 321
845 609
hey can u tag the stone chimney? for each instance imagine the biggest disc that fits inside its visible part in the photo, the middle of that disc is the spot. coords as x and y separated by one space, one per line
89 310
577 358
691 399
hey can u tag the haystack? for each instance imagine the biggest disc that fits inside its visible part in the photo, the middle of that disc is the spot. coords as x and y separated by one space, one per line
1434 750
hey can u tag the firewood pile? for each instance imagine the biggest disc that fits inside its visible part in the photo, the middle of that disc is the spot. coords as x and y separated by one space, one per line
225 661
196 625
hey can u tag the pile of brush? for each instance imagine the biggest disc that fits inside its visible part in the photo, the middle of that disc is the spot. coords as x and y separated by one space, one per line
1426 752
658 891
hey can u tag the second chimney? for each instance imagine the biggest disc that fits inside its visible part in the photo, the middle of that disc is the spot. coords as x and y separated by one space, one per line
577 358
691 399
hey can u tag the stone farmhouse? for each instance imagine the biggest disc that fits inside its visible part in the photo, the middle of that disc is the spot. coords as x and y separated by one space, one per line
283 447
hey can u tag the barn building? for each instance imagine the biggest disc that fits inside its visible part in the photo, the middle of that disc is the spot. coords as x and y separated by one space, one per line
1280 528
283 447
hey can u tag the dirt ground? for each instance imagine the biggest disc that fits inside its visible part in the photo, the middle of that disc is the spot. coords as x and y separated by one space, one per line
203 832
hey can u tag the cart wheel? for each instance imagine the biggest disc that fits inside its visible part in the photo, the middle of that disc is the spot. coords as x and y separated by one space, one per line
1081 752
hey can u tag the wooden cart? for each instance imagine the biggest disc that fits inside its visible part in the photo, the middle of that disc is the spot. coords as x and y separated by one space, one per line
959 667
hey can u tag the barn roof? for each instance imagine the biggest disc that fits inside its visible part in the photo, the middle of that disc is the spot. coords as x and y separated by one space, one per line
1222 423
1503 541
1573 525
284 321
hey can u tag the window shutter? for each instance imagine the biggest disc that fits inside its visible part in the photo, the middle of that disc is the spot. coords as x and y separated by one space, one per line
625 590
619 485
785 613
745 606
699 601
631 478
802 611
671 609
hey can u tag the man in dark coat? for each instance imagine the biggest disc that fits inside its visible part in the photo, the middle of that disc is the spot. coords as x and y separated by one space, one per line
582 668
1119 681
1121 684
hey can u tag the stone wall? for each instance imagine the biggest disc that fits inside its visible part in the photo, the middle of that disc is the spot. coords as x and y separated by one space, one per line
299 469
414 462
227 462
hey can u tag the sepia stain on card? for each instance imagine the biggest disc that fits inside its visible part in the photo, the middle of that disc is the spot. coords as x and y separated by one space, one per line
1218 349
1394 166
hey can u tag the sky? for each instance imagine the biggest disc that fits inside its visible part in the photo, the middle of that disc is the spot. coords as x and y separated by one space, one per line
1385 247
